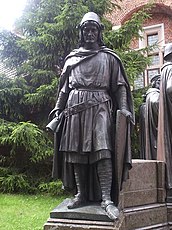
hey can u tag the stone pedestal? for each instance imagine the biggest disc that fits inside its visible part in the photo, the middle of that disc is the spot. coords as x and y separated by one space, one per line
66 224
146 184
142 201
91 211
91 216
169 214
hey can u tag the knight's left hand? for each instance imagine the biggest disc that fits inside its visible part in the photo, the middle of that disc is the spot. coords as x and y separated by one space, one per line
126 113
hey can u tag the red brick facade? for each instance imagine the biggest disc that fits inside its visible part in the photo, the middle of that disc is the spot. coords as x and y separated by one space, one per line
162 13
160 24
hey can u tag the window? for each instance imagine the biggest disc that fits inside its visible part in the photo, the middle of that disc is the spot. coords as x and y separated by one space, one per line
153 35
139 83
151 73
155 59
152 39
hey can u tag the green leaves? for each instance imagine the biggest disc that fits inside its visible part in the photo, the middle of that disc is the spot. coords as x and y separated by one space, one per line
102 7
122 38
26 136
11 95
33 140
46 34
53 188
11 52
14 183
42 96
135 61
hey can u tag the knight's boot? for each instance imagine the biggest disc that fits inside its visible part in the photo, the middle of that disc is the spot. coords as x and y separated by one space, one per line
105 178
80 198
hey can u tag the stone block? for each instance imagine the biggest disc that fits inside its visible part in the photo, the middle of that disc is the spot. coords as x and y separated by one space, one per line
169 212
146 216
161 191
146 184
67 224
142 176
137 198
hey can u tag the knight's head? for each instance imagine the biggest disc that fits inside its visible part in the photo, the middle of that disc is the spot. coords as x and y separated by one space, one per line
91 29
155 81
168 52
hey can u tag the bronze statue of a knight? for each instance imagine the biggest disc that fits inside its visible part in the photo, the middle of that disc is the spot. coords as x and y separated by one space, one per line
94 96
164 151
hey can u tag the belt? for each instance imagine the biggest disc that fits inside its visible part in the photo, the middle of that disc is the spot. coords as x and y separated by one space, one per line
83 106
91 89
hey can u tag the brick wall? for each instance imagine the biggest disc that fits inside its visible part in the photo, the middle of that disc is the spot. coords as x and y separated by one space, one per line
162 13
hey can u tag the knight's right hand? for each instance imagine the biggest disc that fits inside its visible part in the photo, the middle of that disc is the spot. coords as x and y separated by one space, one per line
54 113
57 113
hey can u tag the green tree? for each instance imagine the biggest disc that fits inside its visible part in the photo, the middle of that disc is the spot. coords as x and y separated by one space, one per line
46 27
135 61
44 35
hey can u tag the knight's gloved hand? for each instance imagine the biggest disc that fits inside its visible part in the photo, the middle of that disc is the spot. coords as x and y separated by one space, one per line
57 113
54 113
126 113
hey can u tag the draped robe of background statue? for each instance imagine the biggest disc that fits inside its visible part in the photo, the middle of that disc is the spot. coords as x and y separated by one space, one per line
142 129
151 118
93 85
165 115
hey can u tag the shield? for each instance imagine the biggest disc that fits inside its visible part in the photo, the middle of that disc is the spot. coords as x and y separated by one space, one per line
122 153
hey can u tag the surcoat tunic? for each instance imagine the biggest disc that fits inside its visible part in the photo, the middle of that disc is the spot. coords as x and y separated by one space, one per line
90 130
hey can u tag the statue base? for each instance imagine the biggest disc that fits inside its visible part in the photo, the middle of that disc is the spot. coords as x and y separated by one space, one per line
142 201
141 217
91 216
91 211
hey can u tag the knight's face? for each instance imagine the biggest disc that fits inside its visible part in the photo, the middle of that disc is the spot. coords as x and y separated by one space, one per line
90 32
157 84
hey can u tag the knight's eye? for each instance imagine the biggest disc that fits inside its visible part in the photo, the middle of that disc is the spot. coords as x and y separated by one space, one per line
85 29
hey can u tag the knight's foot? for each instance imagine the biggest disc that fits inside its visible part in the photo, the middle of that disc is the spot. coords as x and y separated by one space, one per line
110 209
76 203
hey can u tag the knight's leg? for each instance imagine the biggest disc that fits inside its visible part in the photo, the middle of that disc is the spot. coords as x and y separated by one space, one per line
80 198
105 178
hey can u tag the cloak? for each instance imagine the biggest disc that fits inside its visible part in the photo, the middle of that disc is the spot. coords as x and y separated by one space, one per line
151 122
164 151
63 170
142 131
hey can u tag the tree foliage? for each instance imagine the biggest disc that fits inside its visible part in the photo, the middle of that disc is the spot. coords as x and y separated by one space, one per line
12 53
44 35
12 92
47 34
27 137
135 61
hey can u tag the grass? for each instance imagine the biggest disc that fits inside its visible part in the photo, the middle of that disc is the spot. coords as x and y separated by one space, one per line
26 212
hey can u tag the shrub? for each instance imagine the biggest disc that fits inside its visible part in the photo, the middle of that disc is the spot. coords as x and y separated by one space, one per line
13 183
5 171
53 188
25 141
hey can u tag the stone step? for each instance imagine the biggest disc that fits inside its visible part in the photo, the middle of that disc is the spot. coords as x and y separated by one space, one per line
141 217
66 224
146 216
